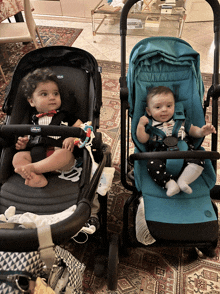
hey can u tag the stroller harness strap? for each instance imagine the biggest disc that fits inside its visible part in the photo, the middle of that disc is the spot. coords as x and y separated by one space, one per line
47 141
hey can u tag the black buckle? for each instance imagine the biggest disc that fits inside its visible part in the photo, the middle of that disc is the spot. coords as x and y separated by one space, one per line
171 143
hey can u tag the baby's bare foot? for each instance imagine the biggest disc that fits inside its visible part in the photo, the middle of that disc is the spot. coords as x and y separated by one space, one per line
32 179
36 181
22 172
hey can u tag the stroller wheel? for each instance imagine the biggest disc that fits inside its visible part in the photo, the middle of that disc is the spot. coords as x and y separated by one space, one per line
113 263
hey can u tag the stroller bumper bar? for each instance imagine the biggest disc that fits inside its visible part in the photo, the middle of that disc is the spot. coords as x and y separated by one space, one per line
21 130
213 155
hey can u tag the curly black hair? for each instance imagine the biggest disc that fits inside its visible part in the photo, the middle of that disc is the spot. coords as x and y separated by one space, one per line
31 80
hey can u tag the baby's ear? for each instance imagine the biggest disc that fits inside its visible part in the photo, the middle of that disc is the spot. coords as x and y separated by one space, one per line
148 111
30 102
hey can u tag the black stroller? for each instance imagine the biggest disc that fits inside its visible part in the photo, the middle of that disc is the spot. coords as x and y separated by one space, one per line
80 77
180 220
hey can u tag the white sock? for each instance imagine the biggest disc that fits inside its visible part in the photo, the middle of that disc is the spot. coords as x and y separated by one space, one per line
189 175
172 188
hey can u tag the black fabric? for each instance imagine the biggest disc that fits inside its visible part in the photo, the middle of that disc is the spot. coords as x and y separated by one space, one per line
38 153
157 170
57 196
185 233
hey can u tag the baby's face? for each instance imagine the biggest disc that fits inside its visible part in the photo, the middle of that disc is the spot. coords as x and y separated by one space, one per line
46 97
161 107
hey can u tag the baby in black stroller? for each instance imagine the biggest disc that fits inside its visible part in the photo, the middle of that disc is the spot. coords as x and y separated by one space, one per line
42 92
41 88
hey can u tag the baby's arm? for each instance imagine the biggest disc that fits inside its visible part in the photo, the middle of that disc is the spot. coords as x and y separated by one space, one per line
21 143
205 130
68 143
142 136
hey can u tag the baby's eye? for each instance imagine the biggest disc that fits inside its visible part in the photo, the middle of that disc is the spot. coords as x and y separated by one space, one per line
44 94
56 94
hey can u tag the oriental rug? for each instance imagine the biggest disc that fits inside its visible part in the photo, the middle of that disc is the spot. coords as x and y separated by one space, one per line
11 53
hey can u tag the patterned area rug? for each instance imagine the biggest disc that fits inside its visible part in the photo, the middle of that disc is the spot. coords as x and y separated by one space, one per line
144 270
11 53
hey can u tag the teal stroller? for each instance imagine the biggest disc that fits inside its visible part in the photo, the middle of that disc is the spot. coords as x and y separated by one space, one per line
183 220
172 63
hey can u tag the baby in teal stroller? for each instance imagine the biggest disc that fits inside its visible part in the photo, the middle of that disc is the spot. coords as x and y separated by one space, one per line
161 129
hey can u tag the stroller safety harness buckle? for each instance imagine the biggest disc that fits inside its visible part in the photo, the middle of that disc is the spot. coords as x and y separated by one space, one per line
171 142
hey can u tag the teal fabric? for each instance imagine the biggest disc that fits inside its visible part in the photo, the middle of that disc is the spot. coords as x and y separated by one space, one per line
171 62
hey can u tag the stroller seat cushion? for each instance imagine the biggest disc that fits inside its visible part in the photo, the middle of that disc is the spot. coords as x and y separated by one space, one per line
57 196
180 208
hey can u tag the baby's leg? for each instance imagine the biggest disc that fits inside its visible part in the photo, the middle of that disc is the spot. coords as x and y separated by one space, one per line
33 179
189 175
157 170
20 160
61 159
22 163
33 172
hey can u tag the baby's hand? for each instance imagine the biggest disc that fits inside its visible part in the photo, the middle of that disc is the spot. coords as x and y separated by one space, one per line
68 143
208 129
21 143
144 120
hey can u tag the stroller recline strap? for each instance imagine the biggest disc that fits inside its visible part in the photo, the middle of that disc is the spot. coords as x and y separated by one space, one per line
46 246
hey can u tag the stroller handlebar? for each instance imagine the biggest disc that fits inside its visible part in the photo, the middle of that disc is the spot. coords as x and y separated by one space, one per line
124 14
216 11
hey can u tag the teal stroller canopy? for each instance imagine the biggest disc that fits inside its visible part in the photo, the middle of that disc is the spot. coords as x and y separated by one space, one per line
170 62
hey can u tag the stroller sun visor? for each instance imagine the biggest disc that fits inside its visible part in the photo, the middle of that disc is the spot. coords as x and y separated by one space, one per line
171 62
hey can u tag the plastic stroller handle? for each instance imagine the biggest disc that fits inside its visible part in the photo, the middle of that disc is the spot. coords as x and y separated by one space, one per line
216 11
213 155
19 130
